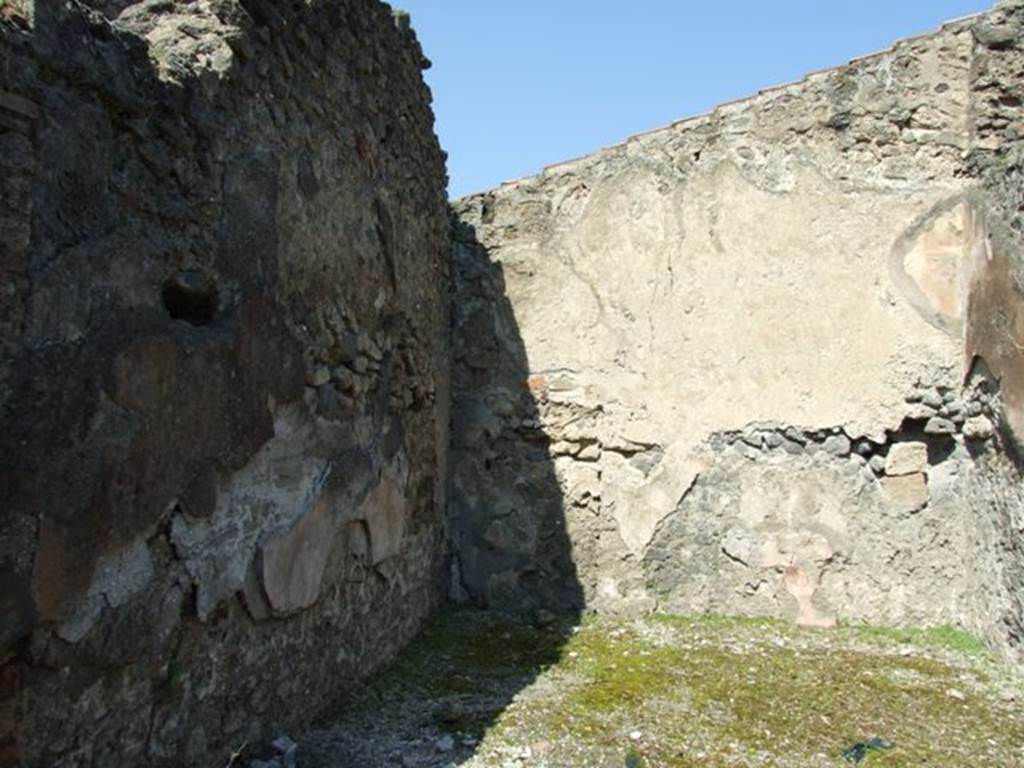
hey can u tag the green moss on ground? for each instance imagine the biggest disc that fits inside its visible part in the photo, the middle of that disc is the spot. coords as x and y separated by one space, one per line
942 637
719 691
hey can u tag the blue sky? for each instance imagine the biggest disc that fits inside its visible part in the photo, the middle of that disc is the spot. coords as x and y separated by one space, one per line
519 84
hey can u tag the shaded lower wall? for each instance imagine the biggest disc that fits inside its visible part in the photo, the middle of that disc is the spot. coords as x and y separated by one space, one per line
755 351
994 335
223 372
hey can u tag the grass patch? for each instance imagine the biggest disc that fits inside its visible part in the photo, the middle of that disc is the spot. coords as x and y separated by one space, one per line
741 691
721 621
713 691
943 637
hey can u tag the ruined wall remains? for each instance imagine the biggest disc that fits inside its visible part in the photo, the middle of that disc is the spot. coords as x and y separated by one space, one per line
223 373
765 361
760 354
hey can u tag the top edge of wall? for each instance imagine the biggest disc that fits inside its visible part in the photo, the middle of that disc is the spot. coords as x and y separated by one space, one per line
703 116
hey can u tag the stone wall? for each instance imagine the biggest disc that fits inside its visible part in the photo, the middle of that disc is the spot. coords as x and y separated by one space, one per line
753 354
223 373
994 337
764 361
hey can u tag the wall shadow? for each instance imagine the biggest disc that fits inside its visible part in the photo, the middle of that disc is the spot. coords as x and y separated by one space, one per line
514 595
512 550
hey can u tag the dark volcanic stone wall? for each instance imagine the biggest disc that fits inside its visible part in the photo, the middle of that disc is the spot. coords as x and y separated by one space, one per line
223 369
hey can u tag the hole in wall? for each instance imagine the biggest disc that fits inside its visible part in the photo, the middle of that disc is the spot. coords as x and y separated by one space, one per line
940 447
192 296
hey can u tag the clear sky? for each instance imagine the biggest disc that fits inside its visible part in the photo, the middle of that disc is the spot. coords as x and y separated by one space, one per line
519 84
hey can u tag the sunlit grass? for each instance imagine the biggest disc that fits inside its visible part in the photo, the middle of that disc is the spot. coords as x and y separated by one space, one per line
714 690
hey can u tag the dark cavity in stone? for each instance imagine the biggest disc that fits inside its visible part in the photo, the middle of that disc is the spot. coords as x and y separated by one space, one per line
192 296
